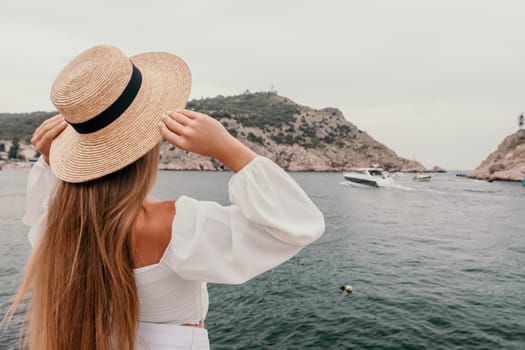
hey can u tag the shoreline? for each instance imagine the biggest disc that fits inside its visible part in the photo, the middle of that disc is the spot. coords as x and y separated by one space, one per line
14 165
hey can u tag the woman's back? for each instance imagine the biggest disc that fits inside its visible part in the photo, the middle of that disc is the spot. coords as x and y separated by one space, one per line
151 231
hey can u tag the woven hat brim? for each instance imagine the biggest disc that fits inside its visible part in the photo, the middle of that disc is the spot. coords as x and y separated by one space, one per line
166 84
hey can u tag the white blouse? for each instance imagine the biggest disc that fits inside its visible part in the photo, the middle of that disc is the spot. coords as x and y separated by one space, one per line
270 220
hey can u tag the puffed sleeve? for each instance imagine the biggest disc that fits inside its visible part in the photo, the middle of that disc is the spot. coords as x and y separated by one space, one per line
270 220
40 184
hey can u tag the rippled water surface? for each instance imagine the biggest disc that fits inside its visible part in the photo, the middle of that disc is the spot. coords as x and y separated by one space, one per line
437 265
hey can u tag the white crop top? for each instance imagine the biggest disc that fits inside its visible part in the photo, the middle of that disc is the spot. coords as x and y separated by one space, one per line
270 220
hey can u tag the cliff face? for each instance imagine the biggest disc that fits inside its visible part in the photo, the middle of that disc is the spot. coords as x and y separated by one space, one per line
298 138
506 163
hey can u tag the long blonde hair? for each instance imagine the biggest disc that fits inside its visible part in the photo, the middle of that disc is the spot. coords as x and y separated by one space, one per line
81 271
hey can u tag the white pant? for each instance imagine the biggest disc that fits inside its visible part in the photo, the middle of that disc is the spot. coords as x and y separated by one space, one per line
158 336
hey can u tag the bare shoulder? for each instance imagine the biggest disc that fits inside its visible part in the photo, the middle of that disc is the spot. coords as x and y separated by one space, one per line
152 231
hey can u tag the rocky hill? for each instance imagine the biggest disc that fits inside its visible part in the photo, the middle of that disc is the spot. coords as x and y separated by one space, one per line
296 137
506 163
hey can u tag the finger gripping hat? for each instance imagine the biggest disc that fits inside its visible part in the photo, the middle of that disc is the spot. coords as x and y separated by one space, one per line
113 105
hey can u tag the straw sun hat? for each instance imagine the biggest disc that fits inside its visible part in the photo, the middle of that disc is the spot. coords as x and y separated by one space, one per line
113 105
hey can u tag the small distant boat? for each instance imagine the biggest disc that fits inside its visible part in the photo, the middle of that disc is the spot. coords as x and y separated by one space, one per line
422 177
461 174
373 177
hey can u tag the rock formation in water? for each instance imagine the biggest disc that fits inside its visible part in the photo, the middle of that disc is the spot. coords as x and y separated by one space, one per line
506 163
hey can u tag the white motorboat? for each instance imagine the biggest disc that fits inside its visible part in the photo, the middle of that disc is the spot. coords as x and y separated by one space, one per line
373 177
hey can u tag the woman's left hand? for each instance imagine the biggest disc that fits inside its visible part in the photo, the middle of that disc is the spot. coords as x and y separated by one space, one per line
46 133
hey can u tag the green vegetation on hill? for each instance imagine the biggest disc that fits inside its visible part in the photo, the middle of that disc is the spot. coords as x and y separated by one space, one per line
274 115
261 109
21 125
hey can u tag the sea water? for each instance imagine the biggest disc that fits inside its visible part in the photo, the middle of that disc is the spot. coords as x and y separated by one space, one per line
437 265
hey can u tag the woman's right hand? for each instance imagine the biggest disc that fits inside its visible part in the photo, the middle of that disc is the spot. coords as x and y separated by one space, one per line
46 133
199 133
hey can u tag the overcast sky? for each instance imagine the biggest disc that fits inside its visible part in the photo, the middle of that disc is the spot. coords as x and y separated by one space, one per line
439 81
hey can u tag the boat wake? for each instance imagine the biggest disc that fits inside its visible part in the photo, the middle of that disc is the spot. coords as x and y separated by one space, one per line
404 188
392 186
